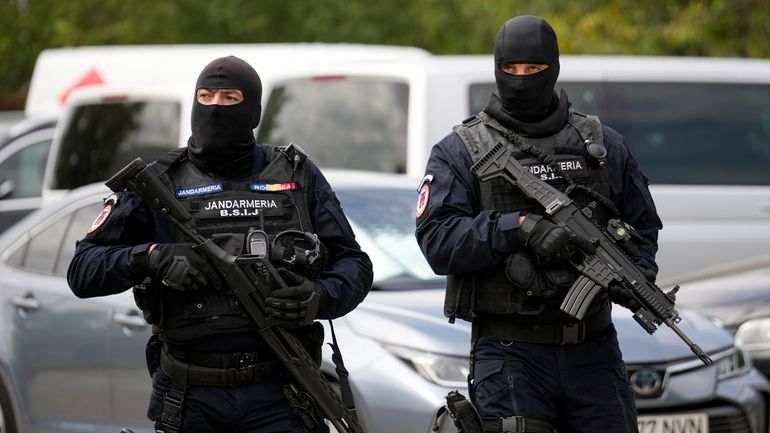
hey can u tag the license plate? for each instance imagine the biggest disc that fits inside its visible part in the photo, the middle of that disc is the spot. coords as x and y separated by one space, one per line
675 423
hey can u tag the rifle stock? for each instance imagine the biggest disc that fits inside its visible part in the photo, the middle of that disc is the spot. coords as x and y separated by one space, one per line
606 265
250 277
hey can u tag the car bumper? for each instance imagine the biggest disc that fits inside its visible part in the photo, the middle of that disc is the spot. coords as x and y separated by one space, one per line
391 396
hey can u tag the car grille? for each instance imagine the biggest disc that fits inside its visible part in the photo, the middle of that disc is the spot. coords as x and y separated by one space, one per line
723 418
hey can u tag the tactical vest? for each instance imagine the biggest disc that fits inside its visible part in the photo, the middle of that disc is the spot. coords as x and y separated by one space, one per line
489 292
274 200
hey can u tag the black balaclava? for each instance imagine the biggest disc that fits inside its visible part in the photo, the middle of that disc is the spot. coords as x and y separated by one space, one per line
222 135
527 39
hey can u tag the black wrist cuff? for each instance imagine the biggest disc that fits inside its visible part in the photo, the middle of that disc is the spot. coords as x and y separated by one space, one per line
514 239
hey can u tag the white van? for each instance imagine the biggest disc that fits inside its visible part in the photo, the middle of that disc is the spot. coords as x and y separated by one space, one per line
700 128
370 89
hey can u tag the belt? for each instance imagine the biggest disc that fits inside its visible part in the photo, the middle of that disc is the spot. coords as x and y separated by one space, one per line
544 333
206 376
215 360
516 424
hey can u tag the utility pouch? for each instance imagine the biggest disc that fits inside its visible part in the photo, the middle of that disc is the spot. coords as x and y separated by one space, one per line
520 270
152 354
538 281
459 297
148 298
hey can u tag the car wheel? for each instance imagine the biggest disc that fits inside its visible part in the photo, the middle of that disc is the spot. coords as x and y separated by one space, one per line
7 420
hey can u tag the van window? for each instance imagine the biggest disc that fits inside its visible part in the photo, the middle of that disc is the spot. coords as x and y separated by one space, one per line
681 133
343 122
100 139
586 93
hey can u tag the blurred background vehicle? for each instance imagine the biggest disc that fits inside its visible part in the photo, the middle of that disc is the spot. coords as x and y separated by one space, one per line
702 137
737 295
73 365
709 168
7 120
23 154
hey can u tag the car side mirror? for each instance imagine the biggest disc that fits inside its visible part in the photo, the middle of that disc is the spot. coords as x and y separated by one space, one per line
6 188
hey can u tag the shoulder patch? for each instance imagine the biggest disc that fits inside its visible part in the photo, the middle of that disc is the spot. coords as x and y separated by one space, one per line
101 218
423 195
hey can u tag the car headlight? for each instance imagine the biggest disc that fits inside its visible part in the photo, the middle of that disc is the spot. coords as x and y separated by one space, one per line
444 370
736 362
754 335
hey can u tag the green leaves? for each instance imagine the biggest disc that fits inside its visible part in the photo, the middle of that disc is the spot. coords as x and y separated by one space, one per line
656 27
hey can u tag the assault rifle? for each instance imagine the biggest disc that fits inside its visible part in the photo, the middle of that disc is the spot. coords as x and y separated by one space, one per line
606 265
251 278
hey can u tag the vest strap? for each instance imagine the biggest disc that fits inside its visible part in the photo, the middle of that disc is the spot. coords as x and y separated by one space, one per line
173 402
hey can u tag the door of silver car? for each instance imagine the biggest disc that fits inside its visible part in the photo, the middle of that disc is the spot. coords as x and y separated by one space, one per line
57 345
129 379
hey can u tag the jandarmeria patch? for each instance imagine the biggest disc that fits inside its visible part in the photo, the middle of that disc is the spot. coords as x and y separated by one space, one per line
200 190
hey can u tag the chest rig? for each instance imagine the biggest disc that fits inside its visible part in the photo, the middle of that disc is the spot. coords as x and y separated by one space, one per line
273 200
562 159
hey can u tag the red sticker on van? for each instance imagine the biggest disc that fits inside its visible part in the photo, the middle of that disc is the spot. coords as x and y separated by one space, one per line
91 78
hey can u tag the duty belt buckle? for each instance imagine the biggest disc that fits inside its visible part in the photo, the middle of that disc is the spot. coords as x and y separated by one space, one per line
245 359
513 424
571 334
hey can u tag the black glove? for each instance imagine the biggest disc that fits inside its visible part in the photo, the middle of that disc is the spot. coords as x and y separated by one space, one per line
547 240
297 304
618 295
181 267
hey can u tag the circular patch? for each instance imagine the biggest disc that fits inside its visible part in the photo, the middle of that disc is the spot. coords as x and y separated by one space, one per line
422 199
101 218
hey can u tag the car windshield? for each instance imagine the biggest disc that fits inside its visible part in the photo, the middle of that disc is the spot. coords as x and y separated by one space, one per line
383 221
674 130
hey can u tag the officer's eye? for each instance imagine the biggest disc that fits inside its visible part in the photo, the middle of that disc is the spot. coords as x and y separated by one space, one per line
233 97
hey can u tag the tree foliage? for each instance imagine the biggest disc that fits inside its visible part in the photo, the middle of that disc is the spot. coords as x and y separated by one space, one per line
656 27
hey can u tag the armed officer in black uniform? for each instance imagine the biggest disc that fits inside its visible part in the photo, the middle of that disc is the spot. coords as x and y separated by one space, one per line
533 367
211 372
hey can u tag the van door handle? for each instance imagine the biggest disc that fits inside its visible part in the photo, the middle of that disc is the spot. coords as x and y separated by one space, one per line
132 320
26 303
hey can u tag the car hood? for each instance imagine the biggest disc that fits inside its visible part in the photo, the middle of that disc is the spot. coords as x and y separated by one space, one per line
733 299
414 319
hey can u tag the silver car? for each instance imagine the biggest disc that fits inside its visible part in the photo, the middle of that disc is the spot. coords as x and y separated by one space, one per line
736 294
73 365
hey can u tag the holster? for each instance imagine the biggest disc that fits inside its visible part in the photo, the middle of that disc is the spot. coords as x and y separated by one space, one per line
152 354
464 415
